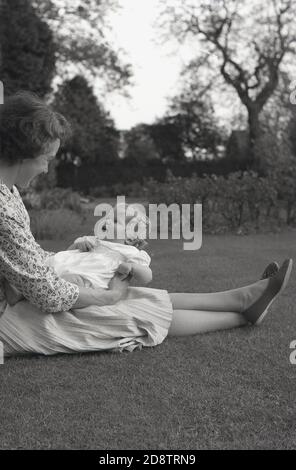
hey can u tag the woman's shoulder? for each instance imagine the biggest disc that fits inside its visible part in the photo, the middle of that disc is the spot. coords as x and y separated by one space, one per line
9 207
6 196
6 207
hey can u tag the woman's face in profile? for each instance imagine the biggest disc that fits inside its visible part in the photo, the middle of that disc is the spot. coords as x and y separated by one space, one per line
32 167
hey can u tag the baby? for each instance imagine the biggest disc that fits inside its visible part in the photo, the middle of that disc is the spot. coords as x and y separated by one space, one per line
92 261
95 268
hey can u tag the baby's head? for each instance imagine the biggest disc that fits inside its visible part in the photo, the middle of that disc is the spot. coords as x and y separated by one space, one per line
126 224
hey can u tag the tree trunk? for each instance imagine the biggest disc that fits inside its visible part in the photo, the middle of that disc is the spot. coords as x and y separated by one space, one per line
254 134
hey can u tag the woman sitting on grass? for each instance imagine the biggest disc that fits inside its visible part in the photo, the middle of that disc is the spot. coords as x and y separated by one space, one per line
58 316
92 261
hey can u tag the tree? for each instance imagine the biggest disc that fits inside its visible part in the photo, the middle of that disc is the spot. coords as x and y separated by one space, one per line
186 131
292 133
243 42
167 137
82 38
27 55
139 145
95 138
193 114
274 143
276 119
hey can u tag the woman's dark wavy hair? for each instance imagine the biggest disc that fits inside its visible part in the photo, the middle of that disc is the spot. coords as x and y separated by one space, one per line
27 125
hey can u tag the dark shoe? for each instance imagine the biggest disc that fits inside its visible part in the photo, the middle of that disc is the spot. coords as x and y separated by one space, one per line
270 270
276 284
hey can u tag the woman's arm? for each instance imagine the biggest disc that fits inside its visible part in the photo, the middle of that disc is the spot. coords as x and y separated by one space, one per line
86 297
117 291
22 265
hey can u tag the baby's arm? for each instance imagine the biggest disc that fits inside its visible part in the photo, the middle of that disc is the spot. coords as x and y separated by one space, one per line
138 267
140 273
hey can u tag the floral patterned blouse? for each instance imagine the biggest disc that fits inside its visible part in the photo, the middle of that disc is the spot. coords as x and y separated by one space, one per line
22 259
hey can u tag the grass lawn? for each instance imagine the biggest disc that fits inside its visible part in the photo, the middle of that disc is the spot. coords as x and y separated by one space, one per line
231 389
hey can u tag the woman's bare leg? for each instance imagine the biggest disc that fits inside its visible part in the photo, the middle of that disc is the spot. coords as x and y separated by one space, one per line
192 322
234 300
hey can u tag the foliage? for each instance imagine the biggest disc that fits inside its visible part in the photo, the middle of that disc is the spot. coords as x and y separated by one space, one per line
275 145
31 198
188 130
134 189
52 199
28 51
240 42
60 198
167 135
240 201
193 116
139 145
292 131
95 138
81 30
54 224
46 180
283 178
127 170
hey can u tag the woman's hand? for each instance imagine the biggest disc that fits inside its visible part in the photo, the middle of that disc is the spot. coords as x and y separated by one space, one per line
83 244
119 286
117 290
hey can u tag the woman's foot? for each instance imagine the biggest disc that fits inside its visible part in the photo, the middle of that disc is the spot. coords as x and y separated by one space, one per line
276 284
270 270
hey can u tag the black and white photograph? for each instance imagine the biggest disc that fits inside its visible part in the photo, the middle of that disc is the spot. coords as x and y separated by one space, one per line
147 228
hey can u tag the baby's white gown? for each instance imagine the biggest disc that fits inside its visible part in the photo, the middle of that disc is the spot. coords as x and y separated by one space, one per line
97 267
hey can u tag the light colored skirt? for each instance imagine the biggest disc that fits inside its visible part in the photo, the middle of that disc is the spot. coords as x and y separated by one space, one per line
142 319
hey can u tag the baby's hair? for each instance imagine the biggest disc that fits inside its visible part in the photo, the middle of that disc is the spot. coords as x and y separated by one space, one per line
139 218
27 126
140 244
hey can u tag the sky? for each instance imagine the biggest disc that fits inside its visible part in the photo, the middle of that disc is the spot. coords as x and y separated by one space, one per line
156 68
